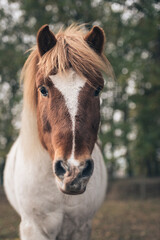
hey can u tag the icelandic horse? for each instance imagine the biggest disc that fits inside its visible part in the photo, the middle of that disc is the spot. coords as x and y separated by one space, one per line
55 176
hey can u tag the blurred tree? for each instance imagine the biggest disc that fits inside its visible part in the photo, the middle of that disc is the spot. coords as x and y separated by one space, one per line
146 150
134 51
130 130
11 59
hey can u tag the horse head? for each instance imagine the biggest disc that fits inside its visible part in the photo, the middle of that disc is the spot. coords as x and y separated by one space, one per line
68 82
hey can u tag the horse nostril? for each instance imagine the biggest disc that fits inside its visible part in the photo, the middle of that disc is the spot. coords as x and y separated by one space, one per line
59 169
88 169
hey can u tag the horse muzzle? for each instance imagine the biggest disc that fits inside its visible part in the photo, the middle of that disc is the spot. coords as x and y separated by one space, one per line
73 180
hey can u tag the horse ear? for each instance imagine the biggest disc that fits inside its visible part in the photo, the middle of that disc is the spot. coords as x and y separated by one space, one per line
45 40
95 39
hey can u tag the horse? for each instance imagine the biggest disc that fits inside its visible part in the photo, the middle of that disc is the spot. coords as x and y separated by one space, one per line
55 176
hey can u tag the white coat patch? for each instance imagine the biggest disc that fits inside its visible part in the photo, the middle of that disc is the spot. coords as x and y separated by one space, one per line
70 85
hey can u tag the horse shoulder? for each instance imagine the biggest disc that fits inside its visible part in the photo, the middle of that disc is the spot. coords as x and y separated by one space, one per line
9 176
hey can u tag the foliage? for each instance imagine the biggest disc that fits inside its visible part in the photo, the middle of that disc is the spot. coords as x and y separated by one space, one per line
130 131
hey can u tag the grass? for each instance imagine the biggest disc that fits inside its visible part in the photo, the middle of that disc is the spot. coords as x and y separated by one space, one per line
127 220
9 220
116 220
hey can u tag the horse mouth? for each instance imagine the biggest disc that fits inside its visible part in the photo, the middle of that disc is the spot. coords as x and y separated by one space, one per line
71 192
69 189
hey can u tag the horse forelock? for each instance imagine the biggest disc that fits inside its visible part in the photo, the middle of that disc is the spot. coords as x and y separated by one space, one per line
70 51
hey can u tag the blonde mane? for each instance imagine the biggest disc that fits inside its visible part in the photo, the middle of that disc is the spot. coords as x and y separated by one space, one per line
71 50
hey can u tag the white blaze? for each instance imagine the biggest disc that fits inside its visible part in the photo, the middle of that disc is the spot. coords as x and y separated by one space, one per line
70 85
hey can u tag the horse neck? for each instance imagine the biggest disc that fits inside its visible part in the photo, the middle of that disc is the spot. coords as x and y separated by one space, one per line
29 132
32 152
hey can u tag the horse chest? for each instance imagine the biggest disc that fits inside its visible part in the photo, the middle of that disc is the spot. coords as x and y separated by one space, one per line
37 192
40 201
39 196
36 189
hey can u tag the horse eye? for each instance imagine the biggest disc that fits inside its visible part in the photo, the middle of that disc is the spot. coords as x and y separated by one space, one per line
44 91
97 91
